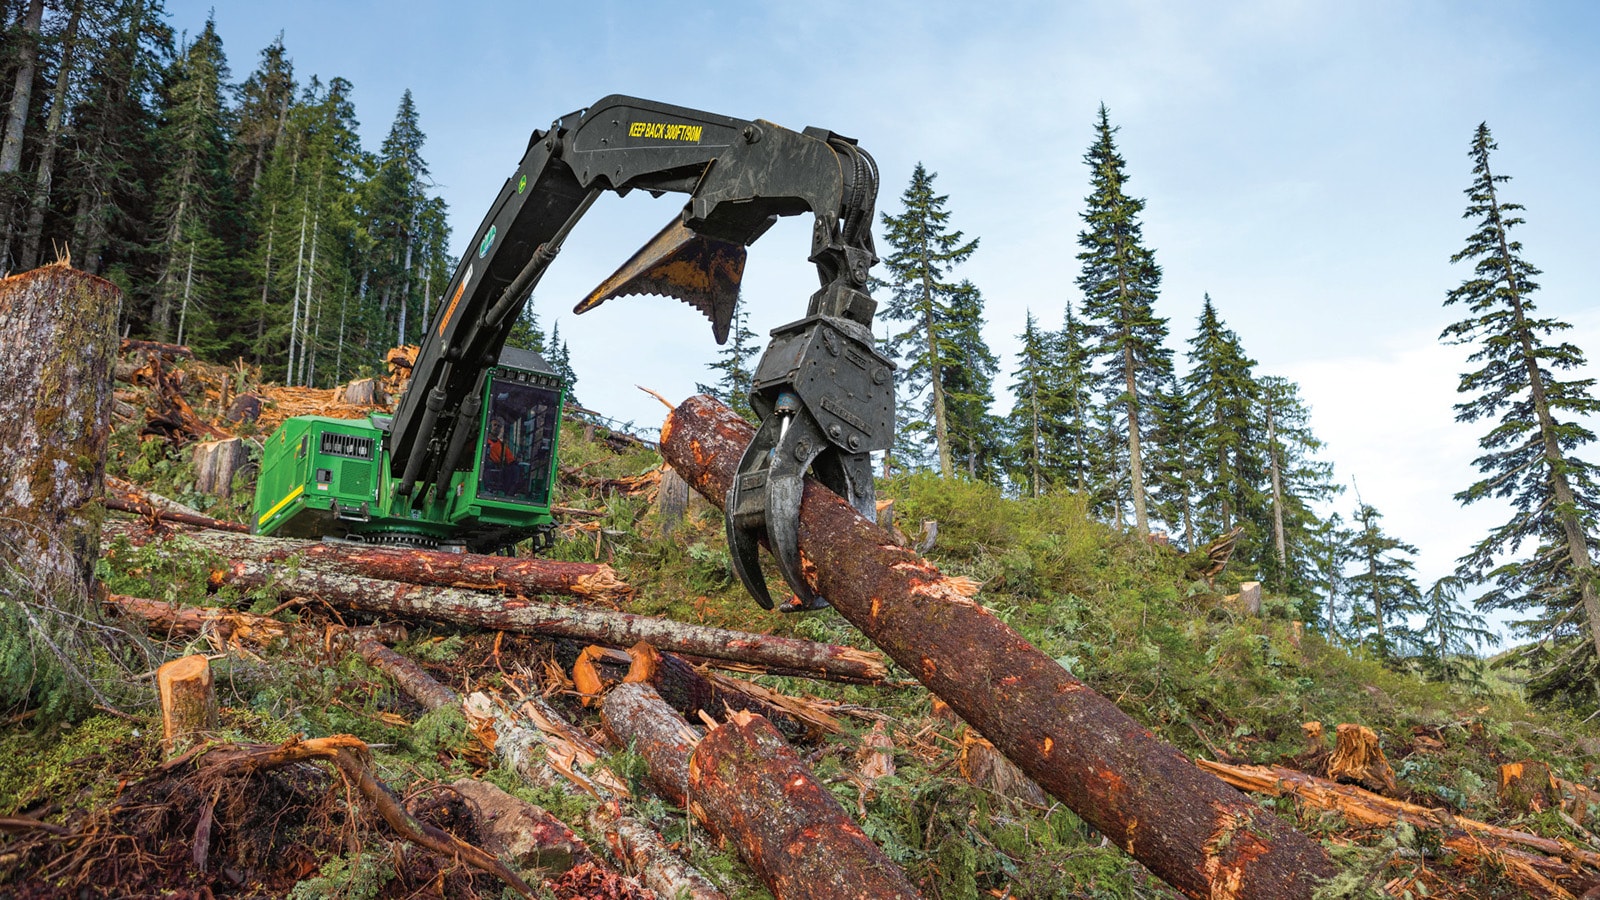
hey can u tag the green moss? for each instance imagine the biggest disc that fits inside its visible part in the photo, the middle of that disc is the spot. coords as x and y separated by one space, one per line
77 765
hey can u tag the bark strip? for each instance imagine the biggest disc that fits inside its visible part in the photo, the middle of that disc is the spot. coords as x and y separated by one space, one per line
1188 827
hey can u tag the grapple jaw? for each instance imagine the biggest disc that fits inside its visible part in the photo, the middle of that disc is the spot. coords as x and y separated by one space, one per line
678 262
827 426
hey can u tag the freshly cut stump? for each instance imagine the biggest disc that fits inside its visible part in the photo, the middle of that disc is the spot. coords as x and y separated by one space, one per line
1357 758
188 702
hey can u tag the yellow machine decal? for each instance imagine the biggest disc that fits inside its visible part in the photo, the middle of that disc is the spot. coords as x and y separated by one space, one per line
281 504
445 320
670 131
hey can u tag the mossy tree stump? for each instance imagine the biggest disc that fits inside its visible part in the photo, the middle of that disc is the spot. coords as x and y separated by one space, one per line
57 346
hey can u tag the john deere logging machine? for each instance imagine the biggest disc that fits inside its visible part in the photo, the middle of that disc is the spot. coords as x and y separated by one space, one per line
468 459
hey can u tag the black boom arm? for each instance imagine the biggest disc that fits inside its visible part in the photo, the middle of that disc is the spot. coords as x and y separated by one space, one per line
825 394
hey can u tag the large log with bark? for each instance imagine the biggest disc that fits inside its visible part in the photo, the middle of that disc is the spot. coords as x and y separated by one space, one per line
520 614
746 784
57 344
1189 828
474 571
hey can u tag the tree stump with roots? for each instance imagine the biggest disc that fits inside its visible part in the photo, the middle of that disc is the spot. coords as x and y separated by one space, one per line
57 346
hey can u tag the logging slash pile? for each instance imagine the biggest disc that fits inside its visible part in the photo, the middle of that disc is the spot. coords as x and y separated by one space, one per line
1017 702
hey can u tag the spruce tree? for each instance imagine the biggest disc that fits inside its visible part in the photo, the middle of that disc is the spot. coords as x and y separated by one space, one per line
1296 482
1037 406
1331 550
1084 467
1176 483
735 365
1530 454
1383 590
1450 635
262 112
394 200
1120 280
195 196
929 305
969 370
560 359
114 166
1221 394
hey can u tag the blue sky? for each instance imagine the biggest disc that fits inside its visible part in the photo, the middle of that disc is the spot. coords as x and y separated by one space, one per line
1302 162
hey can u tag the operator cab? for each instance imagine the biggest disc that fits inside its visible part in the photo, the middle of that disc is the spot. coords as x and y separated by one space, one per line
522 412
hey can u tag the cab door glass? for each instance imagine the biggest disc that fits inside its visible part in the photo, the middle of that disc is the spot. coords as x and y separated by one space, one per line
518 440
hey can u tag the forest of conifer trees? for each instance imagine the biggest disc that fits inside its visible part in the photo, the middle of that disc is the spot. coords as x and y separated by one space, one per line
242 216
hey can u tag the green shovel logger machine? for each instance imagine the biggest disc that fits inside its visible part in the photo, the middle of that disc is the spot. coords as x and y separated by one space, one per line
468 460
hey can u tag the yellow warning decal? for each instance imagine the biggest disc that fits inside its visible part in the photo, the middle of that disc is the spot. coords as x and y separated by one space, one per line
445 320
281 504
670 131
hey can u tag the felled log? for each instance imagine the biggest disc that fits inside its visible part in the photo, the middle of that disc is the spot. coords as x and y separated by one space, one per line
1357 758
126 497
639 845
1189 828
176 351
57 343
984 766
635 715
215 463
520 831
520 614
476 571
741 772
354 761
231 626
691 691
1540 864
745 783
188 702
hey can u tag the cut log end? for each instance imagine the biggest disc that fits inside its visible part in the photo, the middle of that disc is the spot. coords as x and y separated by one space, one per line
188 702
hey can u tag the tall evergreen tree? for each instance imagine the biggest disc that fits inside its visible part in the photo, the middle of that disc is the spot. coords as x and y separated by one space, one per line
1175 486
969 370
396 199
1221 393
1028 429
195 199
113 165
1084 466
1331 552
1529 455
560 359
262 112
735 365
1120 281
1383 590
1449 634
1296 482
929 304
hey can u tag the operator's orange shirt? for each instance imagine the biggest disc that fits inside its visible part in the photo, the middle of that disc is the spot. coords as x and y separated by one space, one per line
499 453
